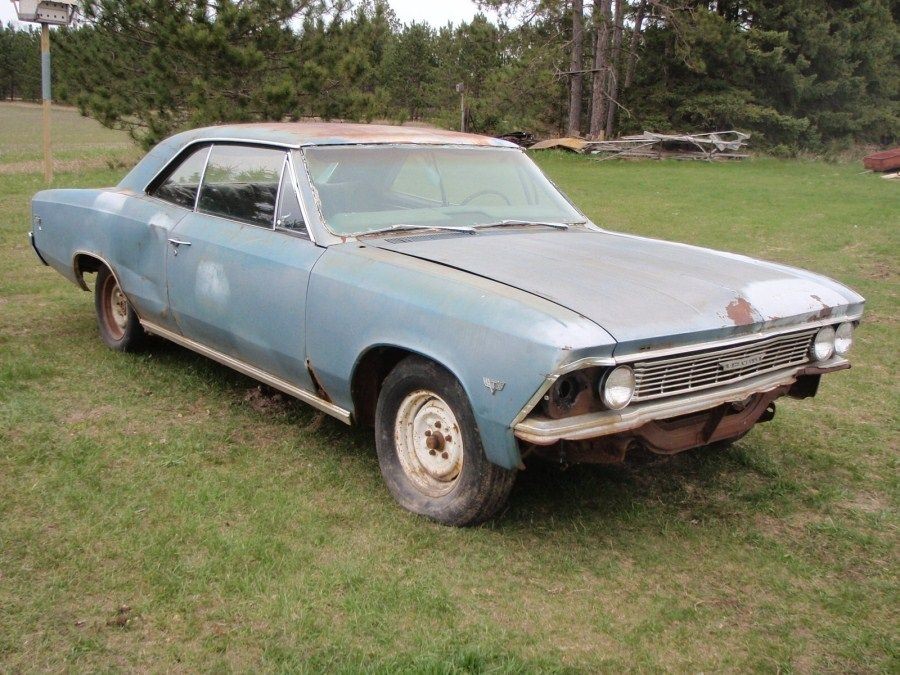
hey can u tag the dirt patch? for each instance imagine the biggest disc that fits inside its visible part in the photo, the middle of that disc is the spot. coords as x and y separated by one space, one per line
878 271
88 414
266 400
867 502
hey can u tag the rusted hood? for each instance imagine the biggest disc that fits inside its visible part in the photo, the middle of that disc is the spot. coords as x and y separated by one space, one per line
644 292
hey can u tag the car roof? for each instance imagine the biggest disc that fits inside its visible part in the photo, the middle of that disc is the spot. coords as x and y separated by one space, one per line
299 134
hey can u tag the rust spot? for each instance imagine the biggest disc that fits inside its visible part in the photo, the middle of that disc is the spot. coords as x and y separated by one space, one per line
351 133
740 312
320 390
823 313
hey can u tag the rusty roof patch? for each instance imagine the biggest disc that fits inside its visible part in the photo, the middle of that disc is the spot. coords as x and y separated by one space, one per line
344 133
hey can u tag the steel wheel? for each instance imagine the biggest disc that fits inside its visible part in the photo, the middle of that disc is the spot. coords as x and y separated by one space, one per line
116 307
429 443
120 327
429 448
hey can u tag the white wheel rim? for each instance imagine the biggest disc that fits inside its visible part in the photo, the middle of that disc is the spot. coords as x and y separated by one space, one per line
429 443
119 307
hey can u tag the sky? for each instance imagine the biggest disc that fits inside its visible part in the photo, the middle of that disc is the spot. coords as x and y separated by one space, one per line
435 12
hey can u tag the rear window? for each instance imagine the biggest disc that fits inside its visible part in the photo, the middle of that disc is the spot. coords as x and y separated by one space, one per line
241 183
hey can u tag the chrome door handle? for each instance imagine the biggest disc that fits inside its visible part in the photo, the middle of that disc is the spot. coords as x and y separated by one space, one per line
178 243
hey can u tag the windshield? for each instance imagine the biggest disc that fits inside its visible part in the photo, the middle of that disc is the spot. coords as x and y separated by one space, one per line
369 188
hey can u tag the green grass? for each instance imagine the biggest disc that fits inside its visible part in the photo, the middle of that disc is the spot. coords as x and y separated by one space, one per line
243 533
78 142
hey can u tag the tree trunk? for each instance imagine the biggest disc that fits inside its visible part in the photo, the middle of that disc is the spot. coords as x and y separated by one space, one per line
633 45
614 69
576 65
602 20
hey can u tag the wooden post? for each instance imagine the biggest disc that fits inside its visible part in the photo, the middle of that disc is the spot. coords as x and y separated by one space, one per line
45 95
462 110
461 89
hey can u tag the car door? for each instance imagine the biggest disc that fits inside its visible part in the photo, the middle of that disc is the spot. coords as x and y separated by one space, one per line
238 267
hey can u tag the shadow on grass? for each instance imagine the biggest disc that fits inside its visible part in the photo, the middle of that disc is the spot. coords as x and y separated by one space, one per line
650 490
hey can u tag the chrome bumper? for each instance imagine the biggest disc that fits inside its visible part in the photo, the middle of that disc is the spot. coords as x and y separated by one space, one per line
544 431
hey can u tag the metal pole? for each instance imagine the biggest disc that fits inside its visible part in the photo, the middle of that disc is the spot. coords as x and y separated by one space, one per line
45 95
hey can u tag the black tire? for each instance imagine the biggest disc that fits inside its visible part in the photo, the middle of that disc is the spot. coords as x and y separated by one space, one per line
120 328
479 489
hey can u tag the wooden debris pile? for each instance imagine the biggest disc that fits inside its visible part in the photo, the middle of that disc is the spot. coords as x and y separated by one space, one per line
715 146
719 145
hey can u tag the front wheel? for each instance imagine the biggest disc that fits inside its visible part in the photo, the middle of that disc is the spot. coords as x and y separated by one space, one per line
119 325
429 448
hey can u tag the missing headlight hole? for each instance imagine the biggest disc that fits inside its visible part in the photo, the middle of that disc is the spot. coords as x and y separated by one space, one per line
569 395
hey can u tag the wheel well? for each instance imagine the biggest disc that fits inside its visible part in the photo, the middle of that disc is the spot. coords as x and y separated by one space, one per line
85 262
368 377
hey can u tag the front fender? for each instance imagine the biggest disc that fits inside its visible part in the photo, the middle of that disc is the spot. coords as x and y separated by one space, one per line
361 297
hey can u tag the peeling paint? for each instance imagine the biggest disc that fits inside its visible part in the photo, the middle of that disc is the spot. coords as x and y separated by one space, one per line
740 312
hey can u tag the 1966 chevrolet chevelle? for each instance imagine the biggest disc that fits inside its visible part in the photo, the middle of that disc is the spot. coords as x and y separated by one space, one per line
438 287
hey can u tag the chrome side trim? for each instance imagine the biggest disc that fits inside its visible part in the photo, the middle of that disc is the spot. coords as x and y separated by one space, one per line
725 342
593 425
251 371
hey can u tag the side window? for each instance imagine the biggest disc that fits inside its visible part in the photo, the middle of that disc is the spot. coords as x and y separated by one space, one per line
290 215
241 183
181 184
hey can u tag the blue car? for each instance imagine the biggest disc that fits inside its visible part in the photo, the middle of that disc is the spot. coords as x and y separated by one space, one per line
437 287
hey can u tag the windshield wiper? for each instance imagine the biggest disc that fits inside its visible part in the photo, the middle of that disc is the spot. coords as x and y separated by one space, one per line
514 223
404 226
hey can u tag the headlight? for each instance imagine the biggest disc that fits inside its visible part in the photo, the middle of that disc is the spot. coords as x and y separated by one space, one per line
843 339
823 346
617 388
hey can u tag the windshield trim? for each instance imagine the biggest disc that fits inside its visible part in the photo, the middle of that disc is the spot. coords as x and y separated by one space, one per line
343 237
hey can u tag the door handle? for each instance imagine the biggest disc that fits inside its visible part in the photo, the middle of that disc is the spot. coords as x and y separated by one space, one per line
178 243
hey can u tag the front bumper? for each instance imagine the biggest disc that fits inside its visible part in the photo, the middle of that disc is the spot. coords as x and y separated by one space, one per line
546 431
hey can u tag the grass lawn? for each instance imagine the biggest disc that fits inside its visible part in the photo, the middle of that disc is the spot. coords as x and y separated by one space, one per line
158 513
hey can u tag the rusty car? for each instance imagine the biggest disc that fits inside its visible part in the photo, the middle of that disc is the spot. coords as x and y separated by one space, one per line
439 288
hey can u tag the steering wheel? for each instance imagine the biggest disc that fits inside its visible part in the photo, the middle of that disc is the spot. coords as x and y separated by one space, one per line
473 197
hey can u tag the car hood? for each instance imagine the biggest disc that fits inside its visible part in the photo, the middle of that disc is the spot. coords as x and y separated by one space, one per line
646 293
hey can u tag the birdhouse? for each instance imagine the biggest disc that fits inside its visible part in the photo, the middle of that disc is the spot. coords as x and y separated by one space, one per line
53 12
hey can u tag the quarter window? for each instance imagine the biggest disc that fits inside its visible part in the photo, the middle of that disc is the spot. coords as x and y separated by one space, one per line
290 216
181 184
241 183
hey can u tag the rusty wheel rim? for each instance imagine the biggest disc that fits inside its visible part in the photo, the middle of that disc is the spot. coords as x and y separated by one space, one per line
429 443
115 306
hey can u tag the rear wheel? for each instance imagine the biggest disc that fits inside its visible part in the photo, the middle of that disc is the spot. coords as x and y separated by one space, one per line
429 448
119 325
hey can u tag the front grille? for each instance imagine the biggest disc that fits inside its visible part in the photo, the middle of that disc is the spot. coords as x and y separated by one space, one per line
673 375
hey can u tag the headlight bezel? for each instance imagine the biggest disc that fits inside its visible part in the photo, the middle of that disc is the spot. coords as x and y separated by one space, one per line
612 382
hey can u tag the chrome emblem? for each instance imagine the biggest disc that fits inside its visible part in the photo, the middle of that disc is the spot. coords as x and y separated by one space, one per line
736 364
494 385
